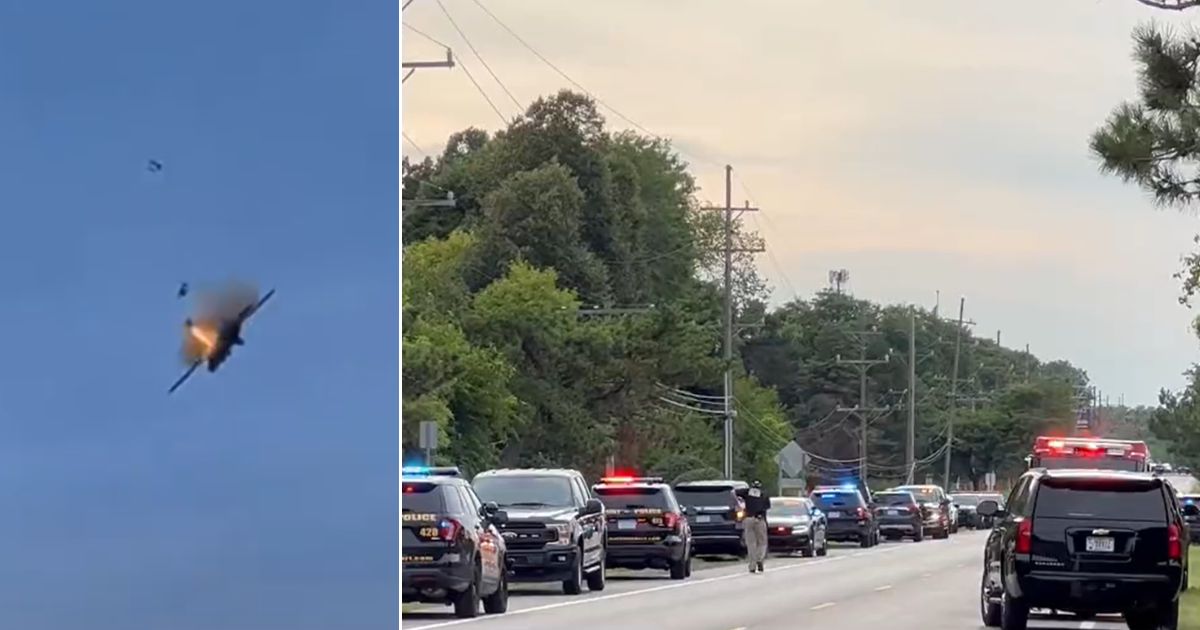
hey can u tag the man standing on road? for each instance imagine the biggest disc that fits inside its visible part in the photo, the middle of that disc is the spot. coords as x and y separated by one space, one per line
756 525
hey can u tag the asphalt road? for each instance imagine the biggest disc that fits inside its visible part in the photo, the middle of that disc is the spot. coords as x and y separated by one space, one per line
930 585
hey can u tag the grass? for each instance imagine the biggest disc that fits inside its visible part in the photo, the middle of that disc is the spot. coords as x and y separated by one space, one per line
1189 604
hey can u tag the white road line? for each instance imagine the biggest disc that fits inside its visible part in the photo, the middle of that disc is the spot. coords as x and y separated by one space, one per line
882 588
657 589
823 606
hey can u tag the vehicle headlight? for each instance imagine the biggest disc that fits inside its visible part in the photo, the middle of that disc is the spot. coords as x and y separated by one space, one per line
564 532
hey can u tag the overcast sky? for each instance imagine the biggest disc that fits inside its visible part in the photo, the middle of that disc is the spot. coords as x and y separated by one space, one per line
924 146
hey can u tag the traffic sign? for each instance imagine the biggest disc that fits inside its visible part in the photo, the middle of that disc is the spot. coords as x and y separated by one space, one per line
792 459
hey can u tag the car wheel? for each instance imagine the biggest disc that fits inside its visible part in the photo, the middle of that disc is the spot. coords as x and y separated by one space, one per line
687 570
810 550
920 535
466 603
988 610
1014 615
574 584
864 541
597 578
679 570
497 603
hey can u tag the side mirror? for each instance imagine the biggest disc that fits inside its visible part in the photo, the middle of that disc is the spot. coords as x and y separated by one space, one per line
593 506
499 517
688 510
989 508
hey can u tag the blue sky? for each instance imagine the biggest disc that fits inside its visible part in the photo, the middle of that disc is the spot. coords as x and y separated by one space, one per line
260 497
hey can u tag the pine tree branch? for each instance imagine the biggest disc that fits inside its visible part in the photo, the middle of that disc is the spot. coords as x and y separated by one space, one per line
1171 5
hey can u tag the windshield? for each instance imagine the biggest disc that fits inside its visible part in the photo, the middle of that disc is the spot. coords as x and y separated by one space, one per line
893 498
422 497
618 498
706 496
826 500
525 491
788 507
923 495
1100 499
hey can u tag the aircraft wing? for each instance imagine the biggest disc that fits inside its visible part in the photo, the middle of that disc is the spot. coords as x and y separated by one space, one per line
253 308
185 376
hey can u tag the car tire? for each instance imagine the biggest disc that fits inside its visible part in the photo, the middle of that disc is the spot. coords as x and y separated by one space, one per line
824 548
942 534
497 603
679 570
1162 617
574 584
864 541
687 570
466 603
810 550
1014 614
988 610
920 535
597 579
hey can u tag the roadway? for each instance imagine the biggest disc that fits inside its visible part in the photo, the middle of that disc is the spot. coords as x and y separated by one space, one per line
931 585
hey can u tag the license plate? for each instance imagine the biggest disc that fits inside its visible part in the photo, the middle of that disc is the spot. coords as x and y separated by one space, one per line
1100 543
627 524
703 518
834 514
894 512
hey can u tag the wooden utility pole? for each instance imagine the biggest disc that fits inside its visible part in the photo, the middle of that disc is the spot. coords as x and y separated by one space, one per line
729 250
962 304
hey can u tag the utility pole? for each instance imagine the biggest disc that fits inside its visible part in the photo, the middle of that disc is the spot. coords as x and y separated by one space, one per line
962 304
729 251
910 444
997 337
864 365
413 66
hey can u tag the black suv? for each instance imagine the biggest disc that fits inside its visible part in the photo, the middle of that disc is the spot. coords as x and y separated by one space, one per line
715 515
451 551
646 525
848 516
1088 542
555 529
1189 504
899 516
935 508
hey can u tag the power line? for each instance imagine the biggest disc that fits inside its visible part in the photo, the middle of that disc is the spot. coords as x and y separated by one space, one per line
477 55
479 89
413 143
424 34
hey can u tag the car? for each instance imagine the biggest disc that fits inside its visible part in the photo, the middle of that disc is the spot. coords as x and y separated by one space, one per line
848 516
899 516
1189 506
451 550
935 508
647 528
555 528
1087 542
967 502
795 524
715 515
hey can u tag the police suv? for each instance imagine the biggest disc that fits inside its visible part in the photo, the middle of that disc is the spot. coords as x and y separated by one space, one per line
647 528
451 551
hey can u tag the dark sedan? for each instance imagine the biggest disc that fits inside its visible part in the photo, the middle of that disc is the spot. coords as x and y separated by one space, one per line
795 524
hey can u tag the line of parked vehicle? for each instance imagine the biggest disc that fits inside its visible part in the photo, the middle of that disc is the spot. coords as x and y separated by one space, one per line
463 542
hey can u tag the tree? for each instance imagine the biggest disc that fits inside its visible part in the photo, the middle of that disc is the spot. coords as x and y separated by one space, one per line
1155 141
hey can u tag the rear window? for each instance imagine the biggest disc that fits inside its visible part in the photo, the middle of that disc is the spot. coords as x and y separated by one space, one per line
617 498
1100 499
1090 463
923 495
893 498
788 507
421 496
826 500
702 496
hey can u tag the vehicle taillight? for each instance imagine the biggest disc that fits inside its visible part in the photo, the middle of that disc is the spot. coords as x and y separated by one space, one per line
1174 545
670 520
448 530
1024 542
